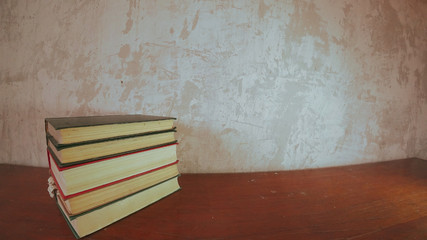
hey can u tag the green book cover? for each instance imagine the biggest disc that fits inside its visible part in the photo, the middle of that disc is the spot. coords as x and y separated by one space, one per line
87 121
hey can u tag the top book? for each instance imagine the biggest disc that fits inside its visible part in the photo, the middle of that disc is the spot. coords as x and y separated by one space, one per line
69 130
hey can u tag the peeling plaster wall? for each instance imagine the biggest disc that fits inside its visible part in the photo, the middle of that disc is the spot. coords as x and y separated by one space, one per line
255 85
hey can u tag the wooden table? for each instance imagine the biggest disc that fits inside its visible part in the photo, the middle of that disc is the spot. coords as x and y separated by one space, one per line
385 200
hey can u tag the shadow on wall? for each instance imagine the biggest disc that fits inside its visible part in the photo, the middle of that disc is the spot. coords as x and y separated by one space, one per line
201 150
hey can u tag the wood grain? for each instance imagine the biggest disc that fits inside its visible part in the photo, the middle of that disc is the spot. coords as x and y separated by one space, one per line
385 200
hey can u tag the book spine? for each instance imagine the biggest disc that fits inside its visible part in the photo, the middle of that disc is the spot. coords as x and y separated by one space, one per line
48 157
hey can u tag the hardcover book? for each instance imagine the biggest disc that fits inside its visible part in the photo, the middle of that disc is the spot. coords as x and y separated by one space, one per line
87 200
68 130
85 176
77 153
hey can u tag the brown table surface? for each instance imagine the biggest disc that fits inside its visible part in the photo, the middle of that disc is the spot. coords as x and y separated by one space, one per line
385 200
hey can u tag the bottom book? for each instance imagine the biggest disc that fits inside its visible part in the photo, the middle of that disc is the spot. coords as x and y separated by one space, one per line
98 218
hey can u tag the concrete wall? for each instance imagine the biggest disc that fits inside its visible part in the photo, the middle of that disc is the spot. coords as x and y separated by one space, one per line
255 85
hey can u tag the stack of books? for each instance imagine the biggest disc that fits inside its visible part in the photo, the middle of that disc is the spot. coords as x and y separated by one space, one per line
108 167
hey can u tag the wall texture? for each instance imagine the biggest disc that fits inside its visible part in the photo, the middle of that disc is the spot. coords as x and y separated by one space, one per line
255 85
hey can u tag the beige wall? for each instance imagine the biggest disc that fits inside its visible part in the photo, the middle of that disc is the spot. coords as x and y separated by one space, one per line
255 85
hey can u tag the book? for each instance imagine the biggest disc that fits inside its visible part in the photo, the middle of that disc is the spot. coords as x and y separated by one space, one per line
85 176
89 151
68 130
99 196
98 218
